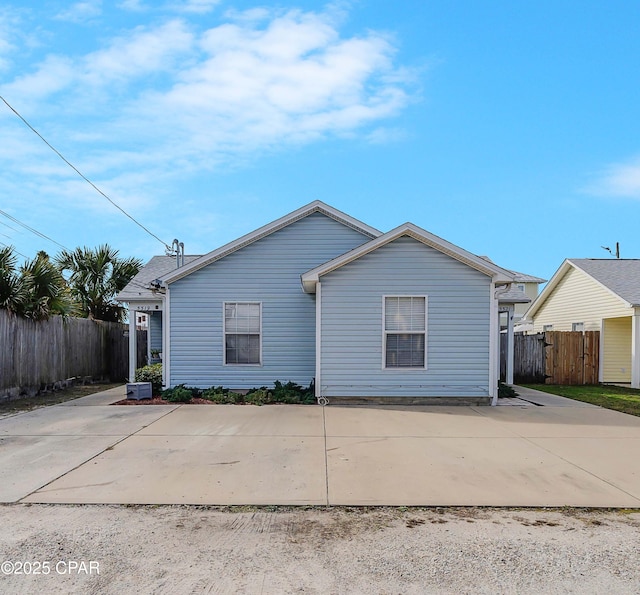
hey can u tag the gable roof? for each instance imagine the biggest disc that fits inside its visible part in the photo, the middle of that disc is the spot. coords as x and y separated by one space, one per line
621 277
139 287
499 275
316 206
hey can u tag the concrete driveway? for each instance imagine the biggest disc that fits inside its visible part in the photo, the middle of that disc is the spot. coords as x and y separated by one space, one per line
539 450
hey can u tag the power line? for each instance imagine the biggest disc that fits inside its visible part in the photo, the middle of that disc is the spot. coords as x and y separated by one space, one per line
9 226
31 229
74 168
12 248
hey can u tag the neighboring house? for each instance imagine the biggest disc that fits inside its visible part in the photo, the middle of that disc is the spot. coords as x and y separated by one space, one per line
318 295
601 295
527 284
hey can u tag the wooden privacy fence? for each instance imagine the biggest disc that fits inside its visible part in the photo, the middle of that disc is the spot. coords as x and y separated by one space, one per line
554 357
36 354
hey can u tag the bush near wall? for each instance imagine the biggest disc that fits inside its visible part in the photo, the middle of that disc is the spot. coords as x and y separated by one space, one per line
288 392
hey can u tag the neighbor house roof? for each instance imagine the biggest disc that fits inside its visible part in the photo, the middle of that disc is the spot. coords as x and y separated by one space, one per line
524 278
500 275
621 277
514 296
316 206
139 287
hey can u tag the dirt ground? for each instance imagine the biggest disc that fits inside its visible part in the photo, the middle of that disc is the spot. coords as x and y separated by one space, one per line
183 550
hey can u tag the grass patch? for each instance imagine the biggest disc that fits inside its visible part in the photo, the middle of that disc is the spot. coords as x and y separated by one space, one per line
618 398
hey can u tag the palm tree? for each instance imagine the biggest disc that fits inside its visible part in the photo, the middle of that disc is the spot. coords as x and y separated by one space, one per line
96 277
47 292
37 290
12 290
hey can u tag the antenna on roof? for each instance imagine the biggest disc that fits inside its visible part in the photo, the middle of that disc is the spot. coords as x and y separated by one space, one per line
617 255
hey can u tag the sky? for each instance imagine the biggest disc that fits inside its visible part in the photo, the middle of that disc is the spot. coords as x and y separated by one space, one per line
511 129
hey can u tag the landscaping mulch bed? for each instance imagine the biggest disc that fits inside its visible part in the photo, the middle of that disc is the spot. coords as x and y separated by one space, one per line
159 401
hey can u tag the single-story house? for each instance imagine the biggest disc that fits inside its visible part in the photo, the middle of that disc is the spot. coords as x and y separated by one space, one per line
320 296
603 295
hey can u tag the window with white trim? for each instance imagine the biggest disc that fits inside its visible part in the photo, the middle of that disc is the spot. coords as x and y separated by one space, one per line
242 333
577 326
405 326
547 327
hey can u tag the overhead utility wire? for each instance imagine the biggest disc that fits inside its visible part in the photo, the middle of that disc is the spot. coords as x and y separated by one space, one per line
38 233
74 168
20 253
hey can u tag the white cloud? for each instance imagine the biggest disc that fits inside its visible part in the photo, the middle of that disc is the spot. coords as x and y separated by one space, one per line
81 12
618 180
170 98
194 6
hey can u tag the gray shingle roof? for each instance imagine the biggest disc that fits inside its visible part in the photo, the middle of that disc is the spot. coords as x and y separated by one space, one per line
524 278
622 276
514 296
156 268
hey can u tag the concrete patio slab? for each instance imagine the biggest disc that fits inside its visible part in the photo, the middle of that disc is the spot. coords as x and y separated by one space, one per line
240 420
30 462
460 472
411 421
198 470
579 422
205 454
614 460
82 421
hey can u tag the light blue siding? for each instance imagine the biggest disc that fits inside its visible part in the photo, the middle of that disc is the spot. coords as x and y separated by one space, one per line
155 330
266 271
457 334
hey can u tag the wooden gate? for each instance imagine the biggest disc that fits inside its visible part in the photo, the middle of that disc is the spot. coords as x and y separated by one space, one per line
555 357
572 357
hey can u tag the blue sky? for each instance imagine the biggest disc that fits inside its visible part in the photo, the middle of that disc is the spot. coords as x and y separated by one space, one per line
509 128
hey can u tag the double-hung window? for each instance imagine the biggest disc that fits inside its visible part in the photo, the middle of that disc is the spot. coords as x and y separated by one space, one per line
242 333
405 328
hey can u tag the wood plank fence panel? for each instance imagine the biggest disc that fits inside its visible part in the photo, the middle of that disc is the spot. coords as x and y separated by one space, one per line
37 354
529 358
556 357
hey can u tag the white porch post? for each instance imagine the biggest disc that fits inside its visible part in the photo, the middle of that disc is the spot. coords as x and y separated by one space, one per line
635 348
318 340
510 344
494 345
133 344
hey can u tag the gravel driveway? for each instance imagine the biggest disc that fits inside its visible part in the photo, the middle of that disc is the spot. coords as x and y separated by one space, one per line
182 550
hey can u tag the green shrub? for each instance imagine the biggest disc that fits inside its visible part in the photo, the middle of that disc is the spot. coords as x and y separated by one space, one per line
504 391
217 394
178 394
152 374
259 396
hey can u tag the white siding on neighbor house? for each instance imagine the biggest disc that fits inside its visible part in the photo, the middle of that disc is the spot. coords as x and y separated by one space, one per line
616 350
457 330
578 298
266 271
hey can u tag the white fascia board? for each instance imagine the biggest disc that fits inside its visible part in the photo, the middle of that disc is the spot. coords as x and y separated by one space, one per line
316 206
144 305
497 274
